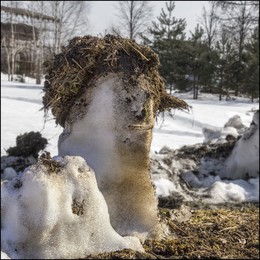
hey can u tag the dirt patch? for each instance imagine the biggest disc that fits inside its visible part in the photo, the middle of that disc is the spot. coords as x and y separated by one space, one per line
223 231
204 150
87 58
28 144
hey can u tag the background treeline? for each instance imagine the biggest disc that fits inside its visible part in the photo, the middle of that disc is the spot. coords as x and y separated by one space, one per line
221 54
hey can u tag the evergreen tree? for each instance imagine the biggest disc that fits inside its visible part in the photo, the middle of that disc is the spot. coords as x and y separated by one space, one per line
197 56
202 62
224 63
168 42
239 17
252 66
209 23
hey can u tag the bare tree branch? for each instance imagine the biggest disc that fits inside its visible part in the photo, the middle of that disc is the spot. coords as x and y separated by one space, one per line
134 16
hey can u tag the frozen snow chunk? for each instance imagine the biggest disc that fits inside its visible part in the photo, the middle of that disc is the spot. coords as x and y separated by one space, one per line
164 187
216 134
236 122
54 209
9 173
244 159
235 191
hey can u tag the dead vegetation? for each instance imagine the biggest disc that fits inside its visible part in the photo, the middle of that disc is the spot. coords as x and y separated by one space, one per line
28 144
223 231
87 58
51 165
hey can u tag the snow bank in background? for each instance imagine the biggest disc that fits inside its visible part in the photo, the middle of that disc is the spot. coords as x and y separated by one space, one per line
200 171
237 123
19 79
218 134
54 209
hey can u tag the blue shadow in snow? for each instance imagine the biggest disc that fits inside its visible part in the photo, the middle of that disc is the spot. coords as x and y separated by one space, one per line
172 132
35 101
22 86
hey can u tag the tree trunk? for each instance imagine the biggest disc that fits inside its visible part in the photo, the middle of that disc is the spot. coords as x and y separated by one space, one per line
194 87
131 20
221 85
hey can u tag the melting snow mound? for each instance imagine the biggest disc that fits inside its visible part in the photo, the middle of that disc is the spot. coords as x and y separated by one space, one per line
54 209
244 160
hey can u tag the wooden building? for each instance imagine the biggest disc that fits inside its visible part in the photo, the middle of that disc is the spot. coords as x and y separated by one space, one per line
25 39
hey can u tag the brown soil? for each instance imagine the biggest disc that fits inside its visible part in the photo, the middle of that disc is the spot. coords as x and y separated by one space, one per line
210 231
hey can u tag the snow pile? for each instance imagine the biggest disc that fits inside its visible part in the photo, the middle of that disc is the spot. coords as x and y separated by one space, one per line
232 129
54 209
217 171
236 122
244 160
218 134
236 191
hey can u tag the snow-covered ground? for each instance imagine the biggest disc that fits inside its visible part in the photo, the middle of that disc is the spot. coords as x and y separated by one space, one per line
21 105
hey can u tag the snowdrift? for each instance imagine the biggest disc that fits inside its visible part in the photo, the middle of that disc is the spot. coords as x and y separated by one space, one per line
54 209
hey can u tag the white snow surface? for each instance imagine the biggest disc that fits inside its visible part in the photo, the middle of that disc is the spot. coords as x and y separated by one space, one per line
49 215
21 112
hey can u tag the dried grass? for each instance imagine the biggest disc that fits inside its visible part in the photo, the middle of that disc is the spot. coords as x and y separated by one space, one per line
226 231
87 58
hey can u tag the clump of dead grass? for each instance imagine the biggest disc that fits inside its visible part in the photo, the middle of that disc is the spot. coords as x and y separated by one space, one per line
224 231
51 165
87 58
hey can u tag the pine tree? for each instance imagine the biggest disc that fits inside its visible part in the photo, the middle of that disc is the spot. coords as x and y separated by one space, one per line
196 58
168 42
224 63
252 66
239 18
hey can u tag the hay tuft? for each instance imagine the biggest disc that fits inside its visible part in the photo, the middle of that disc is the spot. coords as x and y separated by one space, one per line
211 232
87 58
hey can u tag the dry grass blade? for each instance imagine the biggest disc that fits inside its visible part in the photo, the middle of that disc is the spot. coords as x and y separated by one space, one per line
87 58
230 232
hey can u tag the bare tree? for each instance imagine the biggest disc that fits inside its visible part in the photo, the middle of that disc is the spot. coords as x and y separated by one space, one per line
209 23
9 40
134 17
232 5
239 19
37 44
71 20
114 29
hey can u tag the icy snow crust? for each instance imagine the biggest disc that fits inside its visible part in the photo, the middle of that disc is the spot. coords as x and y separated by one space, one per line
217 172
57 215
